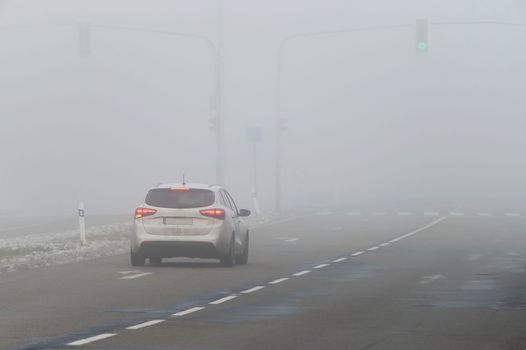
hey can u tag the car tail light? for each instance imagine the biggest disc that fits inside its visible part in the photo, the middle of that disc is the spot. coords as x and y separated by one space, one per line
214 213
142 212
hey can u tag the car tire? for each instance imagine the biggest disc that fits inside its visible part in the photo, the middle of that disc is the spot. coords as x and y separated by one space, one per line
156 261
136 259
229 260
243 259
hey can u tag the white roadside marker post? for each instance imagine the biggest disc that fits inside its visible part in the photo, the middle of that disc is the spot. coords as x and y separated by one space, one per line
82 224
256 202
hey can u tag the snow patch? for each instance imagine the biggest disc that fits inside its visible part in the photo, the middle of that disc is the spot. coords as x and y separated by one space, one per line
46 249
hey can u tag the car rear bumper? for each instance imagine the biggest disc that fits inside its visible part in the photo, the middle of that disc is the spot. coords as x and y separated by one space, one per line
173 249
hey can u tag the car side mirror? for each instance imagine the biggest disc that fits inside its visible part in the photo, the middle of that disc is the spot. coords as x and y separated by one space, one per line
244 212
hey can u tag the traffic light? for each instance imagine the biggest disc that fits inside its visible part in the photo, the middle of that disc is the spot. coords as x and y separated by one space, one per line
84 39
283 124
213 124
422 36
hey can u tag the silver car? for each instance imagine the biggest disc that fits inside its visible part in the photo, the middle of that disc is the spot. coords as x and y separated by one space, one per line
189 220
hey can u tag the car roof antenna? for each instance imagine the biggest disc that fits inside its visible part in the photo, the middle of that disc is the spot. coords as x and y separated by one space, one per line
184 181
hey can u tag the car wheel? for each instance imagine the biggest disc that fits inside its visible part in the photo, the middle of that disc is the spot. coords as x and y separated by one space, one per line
230 259
243 259
137 259
156 261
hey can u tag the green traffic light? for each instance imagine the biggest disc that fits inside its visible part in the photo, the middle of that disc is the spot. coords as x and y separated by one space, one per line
422 46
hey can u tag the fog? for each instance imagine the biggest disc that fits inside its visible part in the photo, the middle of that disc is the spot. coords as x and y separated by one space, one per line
371 123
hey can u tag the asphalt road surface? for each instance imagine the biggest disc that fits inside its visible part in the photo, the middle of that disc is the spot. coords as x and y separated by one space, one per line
317 282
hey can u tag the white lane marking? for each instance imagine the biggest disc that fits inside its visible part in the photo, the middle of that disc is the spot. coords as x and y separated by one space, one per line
405 213
288 239
301 273
252 290
130 277
339 260
279 280
384 244
358 253
145 324
91 339
454 213
373 248
484 214
431 213
431 279
513 215
321 266
273 223
223 300
128 272
412 233
474 257
189 311
354 213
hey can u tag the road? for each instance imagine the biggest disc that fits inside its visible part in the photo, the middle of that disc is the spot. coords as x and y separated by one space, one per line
327 281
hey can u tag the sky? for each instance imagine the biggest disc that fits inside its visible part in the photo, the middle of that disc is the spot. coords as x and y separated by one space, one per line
371 123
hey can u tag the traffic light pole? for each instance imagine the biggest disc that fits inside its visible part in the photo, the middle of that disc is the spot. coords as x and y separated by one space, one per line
279 97
279 73
220 144
216 53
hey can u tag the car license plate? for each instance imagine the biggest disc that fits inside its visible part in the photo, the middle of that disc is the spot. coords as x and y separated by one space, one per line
178 221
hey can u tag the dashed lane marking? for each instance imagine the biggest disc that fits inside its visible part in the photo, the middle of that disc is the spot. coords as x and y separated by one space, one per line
187 312
145 324
418 230
252 290
321 266
301 273
432 213
513 215
454 213
223 300
128 275
431 279
474 257
289 239
273 223
354 213
92 339
405 213
279 280
131 277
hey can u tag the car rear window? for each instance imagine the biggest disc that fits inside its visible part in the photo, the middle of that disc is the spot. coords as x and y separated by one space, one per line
169 198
